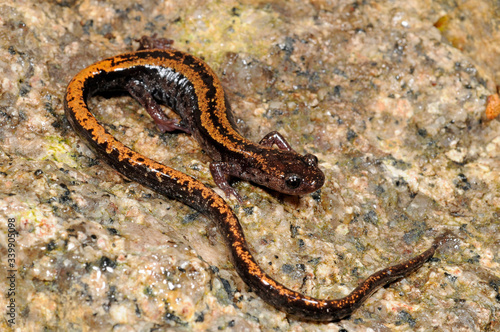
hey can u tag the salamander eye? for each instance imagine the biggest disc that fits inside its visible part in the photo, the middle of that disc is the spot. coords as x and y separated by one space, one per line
293 181
311 160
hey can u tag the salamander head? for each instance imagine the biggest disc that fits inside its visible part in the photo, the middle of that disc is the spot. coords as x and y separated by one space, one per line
290 173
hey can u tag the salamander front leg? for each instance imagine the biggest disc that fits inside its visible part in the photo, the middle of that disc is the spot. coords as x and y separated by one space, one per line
220 171
142 95
275 138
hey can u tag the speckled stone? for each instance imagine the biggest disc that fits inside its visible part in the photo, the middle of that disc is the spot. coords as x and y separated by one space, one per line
390 95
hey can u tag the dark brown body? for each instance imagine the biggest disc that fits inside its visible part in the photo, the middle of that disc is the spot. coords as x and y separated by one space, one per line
189 86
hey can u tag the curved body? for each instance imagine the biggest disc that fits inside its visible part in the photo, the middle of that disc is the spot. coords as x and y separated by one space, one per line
189 86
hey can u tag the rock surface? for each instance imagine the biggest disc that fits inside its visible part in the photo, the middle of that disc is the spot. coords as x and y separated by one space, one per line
390 95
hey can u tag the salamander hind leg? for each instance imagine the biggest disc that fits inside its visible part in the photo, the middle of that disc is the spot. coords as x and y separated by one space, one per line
142 95
151 42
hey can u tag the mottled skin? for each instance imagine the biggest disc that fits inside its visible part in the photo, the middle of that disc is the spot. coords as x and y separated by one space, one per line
188 85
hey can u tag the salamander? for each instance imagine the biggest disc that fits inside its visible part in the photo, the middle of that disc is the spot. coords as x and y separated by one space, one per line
188 86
